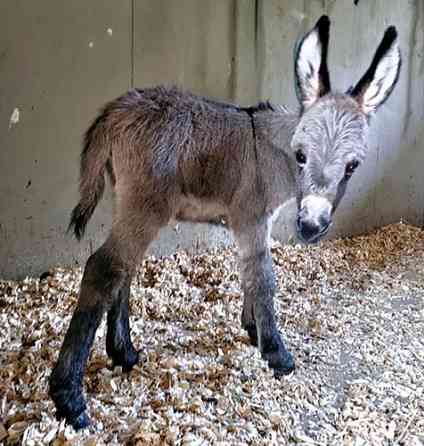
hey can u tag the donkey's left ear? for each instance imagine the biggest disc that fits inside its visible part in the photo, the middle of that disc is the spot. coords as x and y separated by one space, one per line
311 71
379 80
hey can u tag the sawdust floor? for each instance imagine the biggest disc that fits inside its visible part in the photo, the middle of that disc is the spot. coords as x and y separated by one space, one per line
351 311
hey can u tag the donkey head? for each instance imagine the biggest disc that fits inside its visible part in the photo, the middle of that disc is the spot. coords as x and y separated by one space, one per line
330 141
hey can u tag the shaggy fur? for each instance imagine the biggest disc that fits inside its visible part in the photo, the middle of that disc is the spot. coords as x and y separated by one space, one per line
174 155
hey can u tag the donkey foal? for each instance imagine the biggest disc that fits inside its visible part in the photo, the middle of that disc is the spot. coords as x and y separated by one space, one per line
170 154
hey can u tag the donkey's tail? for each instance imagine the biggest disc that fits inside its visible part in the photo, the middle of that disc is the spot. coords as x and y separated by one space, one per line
95 159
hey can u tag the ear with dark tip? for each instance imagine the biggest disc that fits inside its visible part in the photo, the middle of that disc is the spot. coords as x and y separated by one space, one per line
311 71
379 80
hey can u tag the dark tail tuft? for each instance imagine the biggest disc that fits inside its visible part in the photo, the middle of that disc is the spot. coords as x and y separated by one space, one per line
79 219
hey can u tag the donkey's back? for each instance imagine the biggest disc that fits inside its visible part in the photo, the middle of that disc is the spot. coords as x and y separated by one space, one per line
194 153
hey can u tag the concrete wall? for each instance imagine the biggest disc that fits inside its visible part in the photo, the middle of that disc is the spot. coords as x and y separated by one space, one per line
60 61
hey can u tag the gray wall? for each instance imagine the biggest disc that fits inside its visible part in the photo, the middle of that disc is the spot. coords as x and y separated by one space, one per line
61 60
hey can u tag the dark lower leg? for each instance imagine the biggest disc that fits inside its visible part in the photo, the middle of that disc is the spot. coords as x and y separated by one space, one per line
258 284
118 339
101 282
270 342
66 378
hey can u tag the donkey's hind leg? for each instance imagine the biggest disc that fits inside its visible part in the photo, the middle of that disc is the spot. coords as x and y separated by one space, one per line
118 339
103 278
135 234
104 287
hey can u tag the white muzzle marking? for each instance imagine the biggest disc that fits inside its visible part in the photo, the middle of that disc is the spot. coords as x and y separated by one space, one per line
314 207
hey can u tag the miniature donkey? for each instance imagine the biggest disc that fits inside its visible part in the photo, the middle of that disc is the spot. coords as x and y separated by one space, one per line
173 155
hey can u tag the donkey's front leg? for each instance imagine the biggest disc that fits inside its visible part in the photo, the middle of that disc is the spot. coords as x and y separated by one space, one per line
258 283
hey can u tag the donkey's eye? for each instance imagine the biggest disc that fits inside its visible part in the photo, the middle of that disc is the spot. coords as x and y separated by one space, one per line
300 157
351 167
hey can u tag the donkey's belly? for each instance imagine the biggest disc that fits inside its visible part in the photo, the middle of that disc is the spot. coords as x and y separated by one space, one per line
192 209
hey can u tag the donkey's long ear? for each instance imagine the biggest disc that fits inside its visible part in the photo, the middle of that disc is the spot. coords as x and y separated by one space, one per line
379 80
311 71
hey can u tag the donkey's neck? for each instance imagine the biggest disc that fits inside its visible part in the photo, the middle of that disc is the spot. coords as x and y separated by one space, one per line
273 130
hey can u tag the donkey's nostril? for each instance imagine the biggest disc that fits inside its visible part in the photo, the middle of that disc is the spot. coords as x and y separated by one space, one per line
311 230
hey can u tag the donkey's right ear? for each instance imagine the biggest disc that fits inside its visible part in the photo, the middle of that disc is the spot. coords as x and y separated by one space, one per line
379 80
311 71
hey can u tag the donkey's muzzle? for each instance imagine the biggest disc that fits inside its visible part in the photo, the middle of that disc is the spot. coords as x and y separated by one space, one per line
313 218
311 231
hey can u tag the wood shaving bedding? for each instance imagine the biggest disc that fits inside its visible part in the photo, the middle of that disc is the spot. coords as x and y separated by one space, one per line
350 310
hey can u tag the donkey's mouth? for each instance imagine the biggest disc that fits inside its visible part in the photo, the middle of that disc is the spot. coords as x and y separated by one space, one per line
309 235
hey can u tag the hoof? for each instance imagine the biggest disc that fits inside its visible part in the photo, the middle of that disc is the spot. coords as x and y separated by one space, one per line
277 356
69 400
127 362
289 367
79 422
253 334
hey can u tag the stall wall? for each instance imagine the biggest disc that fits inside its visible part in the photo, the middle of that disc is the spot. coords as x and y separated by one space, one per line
60 61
